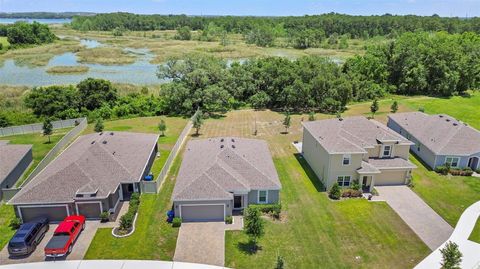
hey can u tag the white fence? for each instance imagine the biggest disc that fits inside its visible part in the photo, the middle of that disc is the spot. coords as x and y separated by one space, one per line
38 127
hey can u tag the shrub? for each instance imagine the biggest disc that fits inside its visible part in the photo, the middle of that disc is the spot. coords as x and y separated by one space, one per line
104 216
229 220
126 221
335 192
177 222
356 185
442 169
272 209
15 223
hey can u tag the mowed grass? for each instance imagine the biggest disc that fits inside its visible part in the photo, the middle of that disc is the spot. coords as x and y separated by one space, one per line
6 215
153 239
475 235
40 146
316 232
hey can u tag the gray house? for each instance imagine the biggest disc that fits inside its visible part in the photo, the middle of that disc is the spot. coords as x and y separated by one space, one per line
91 176
14 160
220 175
439 139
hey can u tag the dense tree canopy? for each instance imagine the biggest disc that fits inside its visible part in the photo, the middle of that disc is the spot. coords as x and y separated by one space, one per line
22 33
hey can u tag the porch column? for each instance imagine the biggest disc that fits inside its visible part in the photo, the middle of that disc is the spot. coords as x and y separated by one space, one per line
372 183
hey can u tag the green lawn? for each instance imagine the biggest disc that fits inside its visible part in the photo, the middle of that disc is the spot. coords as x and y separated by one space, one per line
154 238
320 233
40 146
6 215
475 236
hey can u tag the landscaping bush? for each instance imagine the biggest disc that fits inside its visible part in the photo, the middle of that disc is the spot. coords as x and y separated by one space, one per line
273 209
177 222
461 172
229 220
126 221
335 192
15 223
442 169
351 193
104 216
356 185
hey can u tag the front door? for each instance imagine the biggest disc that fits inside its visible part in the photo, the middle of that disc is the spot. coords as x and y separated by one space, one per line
364 181
237 201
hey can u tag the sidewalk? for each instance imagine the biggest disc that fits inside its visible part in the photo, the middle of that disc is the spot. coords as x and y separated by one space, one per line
110 264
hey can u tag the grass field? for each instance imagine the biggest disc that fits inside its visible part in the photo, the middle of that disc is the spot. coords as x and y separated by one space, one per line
6 215
68 69
475 236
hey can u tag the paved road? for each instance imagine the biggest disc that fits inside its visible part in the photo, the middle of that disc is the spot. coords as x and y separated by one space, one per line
78 252
426 223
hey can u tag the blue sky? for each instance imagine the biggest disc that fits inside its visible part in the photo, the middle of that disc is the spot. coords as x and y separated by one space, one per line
459 8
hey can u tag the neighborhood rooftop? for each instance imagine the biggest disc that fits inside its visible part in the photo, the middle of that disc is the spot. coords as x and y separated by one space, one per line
442 134
352 134
10 156
94 164
213 168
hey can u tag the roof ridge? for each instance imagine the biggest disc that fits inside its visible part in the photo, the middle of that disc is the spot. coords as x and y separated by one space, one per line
221 163
112 157
195 180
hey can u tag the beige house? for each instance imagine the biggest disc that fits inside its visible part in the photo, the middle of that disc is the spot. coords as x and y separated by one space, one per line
356 148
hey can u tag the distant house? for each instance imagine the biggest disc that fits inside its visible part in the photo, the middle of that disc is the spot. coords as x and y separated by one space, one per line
355 148
91 176
439 139
14 160
220 175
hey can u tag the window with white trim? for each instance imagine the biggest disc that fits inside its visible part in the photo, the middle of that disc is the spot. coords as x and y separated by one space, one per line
387 151
262 197
452 161
346 159
344 181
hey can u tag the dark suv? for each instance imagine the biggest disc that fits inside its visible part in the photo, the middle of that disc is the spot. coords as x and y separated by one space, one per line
27 237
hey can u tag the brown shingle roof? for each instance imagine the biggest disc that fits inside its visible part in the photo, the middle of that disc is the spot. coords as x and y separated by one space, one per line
10 156
94 162
442 134
351 135
212 168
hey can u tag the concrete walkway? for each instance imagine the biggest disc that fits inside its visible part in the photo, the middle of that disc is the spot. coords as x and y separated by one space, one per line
469 249
426 223
110 264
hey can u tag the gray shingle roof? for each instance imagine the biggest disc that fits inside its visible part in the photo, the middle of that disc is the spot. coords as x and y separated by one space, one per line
10 156
212 168
351 135
94 162
442 134
391 163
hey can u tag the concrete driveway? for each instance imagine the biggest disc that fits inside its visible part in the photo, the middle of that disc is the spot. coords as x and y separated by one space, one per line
426 223
78 252
204 242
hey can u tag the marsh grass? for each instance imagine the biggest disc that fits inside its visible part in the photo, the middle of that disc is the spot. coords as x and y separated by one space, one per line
106 56
68 69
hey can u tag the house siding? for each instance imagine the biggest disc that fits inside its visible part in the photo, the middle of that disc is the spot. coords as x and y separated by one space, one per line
273 197
338 169
316 156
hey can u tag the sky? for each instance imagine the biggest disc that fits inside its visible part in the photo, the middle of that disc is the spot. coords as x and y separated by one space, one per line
460 8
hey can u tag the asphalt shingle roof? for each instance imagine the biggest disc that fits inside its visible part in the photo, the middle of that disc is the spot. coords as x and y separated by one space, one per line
212 168
386 163
10 156
442 134
351 135
93 163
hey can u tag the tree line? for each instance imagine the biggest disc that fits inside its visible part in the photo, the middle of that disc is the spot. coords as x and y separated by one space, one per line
23 33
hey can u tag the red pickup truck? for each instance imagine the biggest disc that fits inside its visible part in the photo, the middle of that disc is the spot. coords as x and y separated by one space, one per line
64 236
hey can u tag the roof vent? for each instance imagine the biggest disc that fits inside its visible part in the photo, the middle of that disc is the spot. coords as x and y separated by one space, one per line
114 153
233 140
101 133
441 116
455 124
111 133
221 140
221 146
233 146
448 119
104 142
340 119
93 142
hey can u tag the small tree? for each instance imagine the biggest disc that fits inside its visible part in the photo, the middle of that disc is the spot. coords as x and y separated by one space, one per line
253 225
197 121
162 127
99 125
335 192
451 256
374 107
394 107
280 262
47 128
287 122
311 116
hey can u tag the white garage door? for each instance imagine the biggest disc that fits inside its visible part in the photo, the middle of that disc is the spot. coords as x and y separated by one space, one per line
387 178
203 212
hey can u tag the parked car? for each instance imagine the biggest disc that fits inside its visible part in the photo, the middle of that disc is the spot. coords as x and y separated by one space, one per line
64 237
27 237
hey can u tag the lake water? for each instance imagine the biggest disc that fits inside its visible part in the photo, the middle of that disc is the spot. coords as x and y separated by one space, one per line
141 72
45 21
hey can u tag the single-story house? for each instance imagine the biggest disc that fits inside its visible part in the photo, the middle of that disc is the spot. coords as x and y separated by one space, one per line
90 176
439 139
219 175
343 150
14 161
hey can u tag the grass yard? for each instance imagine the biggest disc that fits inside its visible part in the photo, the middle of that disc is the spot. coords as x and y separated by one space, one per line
316 231
40 146
154 238
6 215
475 236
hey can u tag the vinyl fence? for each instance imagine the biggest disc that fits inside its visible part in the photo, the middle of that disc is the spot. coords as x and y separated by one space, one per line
37 127
154 186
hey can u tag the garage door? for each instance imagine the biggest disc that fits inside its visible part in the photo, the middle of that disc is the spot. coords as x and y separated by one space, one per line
89 210
203 212
57 213
390 178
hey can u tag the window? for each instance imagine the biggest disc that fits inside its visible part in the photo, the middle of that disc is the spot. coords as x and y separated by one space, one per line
452 161
262 197
387 151
346 159
343 181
